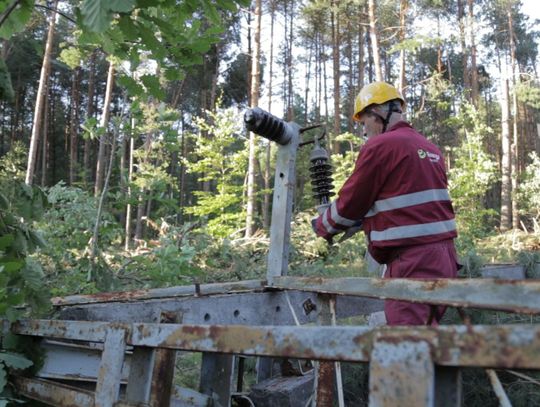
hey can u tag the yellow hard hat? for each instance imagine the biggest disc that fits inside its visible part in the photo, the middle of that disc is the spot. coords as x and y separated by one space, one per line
375 93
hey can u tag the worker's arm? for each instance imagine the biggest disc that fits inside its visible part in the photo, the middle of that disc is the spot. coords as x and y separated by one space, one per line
356 196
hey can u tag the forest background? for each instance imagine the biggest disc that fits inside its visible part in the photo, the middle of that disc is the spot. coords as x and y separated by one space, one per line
124 163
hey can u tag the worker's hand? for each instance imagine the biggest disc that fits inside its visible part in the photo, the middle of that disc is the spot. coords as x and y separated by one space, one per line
314 227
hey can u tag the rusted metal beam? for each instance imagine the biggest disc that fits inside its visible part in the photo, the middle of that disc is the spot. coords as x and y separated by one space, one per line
162 293
401 374
324 379
68 361
509 346
247 308
52 393
110 368
505 295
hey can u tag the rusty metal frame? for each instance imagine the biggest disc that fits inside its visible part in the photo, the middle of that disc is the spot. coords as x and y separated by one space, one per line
444 347
521 296
54 393
503 346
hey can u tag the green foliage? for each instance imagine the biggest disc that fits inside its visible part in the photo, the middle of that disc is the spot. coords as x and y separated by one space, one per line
22 290
529 190
6 89
18 16
344 163
10 361
471 176
21 277
167 261
98 14
154 178
71 56
531 261
220 161
71 218
529 93
13 165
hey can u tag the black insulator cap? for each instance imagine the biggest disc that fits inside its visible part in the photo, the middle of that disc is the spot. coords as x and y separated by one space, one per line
267 125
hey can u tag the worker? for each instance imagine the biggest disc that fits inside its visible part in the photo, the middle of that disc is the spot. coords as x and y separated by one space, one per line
398 193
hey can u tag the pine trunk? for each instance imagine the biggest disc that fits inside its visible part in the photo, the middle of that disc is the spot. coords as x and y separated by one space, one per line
254 98
45 145
404 6
515 137
474 70
374 35
361 62
103 140
506 184
131 147
464 48
74 127
336 71
40 99
266 201
89 113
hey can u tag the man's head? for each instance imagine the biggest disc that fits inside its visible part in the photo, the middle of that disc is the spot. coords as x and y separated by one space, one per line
376 106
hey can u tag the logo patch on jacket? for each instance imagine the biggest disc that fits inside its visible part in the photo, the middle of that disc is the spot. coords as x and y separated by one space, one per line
432 157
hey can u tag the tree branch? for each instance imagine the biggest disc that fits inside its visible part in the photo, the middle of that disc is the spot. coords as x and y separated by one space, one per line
56 11
6 13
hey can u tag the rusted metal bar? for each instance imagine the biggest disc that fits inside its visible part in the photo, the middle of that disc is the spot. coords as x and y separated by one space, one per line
163 370
504 295
282 202
401 374
217 377
162 293
249 308
504 346
68 361
53 393
110 368
181 291
324 379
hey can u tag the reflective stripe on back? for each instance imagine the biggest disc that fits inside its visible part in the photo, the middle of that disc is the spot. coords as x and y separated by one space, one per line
403 232
403 201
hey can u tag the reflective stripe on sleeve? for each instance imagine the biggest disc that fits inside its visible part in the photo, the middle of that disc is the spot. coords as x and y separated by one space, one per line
402 232
403 201
337 218
329 228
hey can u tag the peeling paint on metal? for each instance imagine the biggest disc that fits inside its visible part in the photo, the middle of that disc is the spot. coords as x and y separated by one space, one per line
506 295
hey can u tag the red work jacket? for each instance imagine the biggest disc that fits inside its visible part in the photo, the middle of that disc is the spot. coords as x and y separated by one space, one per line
398 190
